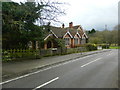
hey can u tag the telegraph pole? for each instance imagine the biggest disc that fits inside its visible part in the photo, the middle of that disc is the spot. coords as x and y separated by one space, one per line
106 27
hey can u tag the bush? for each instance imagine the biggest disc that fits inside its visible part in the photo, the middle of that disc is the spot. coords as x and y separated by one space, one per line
8 55
105 46
91 47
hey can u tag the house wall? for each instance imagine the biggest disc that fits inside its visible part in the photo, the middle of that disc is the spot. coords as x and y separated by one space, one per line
45 46
72 43
51 44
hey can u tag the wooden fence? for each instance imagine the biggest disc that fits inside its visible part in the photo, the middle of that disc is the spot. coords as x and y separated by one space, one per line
21 54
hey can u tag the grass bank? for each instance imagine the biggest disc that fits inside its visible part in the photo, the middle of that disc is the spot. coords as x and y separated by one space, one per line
114 47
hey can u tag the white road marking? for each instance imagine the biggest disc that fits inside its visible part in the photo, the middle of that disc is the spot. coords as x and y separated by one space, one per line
23 76
90 62
14 79
109 54
69 61
46 83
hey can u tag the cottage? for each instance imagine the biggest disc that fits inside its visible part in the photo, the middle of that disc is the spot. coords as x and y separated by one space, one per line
72 35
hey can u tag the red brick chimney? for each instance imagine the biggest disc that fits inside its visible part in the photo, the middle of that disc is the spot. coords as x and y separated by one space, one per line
70 24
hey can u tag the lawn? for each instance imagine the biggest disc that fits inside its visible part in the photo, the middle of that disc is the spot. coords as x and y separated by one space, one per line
115 47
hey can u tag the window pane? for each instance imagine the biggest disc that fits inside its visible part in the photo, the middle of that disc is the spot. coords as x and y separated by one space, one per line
76 41
66 41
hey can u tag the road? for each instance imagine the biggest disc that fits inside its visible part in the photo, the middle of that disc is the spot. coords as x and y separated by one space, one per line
93 71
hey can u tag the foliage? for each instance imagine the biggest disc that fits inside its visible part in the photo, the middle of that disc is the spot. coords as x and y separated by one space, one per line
95 40
22 54
104 37
90 47
17 54
105 46
60 42
19 22
92 31
115 47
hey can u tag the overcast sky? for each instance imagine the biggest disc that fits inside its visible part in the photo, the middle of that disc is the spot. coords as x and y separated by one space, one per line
91 13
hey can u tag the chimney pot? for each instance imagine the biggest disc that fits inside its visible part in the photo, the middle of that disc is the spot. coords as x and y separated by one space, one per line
70 24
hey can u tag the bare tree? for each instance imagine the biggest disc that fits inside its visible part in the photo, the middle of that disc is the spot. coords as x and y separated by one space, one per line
51 11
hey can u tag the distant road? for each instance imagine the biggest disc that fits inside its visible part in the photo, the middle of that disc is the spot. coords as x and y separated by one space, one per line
93 71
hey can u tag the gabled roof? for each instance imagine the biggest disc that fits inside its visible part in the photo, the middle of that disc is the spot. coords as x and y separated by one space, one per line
60 32
80 32
68 34
76 27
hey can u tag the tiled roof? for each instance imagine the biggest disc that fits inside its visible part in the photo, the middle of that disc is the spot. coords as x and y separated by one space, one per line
60 32
76 27
72 31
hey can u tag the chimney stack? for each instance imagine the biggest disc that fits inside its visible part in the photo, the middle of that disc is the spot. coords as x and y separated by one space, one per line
70 24
63 25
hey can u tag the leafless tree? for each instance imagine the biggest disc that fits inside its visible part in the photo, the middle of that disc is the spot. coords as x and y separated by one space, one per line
51 11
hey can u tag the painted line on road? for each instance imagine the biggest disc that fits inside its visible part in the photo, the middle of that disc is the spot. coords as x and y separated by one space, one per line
70 61
46 83
90 62
24 76
109 54
14 79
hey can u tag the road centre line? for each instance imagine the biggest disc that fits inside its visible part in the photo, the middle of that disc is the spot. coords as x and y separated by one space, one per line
90 62
40 71
69 61
46 83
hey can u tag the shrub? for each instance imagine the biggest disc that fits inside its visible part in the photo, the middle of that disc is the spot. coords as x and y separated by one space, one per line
90 47
105 46
8 55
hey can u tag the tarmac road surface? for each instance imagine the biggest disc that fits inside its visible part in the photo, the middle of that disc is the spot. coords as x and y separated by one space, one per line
93 71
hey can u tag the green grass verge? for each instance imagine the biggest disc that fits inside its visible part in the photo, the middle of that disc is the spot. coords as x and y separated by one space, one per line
115 47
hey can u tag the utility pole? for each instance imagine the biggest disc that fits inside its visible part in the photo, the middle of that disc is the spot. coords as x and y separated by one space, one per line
106 27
